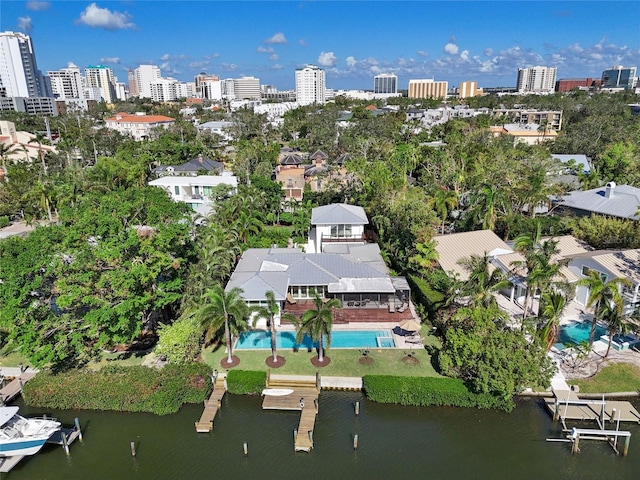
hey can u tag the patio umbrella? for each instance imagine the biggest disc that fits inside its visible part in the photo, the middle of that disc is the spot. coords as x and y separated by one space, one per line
410 325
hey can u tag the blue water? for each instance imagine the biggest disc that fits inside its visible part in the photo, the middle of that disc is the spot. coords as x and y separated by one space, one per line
578 332
339 339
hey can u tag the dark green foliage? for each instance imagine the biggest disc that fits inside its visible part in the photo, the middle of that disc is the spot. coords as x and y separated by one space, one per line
123 389
246 382
424 294
423 391
4 222
269 236
603 232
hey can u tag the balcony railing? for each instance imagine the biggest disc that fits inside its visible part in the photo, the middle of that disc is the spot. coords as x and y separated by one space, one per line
342 239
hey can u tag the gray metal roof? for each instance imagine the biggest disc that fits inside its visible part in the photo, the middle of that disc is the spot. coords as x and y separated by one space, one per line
256 285
622 203
339 213
582 161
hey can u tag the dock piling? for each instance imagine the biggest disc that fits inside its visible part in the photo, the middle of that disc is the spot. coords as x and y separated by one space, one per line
133 449
355 441
245 449
65 444
78 429
357 408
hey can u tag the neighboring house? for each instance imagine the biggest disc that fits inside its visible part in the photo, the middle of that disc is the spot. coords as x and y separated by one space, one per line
581 162
531 134
610 264
219 128
620 201
454 248
354 273
194 191
23 145
138 125
193 167
336 223
290 174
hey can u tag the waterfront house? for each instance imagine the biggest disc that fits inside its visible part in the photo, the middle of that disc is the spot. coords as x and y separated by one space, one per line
621 201
194 191
196 166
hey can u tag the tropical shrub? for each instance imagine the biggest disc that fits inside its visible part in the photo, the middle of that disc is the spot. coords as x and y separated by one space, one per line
4 221
180 341
123 389
425 295
246 382
424 391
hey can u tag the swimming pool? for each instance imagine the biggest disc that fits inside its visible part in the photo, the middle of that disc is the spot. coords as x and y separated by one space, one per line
576 333
339 339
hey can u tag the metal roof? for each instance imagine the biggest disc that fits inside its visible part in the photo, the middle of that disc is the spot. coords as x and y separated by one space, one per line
256 285
622 263
457 246
581 160
339 213
623 202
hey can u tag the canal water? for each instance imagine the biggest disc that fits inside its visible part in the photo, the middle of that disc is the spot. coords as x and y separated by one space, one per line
394 442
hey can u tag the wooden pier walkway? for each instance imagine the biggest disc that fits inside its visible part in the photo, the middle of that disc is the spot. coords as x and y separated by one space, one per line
211 406
568 406
14 387
304 398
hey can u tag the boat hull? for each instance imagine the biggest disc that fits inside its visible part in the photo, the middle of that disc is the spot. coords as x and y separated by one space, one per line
22 447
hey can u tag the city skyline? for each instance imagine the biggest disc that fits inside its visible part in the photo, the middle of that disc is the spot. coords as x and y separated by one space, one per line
352 41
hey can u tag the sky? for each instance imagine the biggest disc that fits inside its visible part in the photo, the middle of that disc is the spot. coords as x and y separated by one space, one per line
352 41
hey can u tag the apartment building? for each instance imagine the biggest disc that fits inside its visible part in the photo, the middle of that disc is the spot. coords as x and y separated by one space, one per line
469 89
428 88
19 74
66 83
310 85
537 79
99 76
385 83
144 76
619 77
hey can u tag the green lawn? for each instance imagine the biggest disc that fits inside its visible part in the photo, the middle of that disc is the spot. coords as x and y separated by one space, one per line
616 377
344 362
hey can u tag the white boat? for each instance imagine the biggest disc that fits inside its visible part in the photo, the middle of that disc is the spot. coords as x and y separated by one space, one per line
277 392
21 436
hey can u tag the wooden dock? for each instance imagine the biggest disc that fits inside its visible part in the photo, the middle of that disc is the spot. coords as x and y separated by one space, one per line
211 406
568 406
304 398
14 387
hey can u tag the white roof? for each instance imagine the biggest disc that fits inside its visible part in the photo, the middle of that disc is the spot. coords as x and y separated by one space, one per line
362 285
200 180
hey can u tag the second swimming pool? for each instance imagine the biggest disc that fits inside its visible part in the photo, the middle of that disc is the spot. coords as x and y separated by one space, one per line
339 339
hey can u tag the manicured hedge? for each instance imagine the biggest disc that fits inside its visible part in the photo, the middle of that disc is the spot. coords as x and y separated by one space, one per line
423 391
124 389
425 295
246 382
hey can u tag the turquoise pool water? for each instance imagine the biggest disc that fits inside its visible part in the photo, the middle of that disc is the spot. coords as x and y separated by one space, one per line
339 339
577 332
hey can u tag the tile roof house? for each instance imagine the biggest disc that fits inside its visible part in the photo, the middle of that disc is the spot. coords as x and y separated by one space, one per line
193 167
620 201
138 125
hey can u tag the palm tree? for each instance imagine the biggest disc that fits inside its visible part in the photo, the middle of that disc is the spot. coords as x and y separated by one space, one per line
486 203
425 257
443 201
553 305
317 322
602 292
616 323
223 309
482 282
5 152
269 312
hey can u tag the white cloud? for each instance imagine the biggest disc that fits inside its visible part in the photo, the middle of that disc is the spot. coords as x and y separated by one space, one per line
451 48
38 6
96 17
277 38
275 56
262 49
351 61
209 57
302 42
488 52
113 60
465 55
277 66
25 24
166 56
423 53
596 56
327 59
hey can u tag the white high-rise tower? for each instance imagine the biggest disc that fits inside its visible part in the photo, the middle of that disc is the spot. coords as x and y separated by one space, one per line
310 85
19 74
537 79
145 75
101 77
66 83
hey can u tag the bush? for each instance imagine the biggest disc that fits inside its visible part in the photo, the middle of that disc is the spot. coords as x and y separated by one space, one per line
425 295
424 391
4 222
246 382
269 236
123 389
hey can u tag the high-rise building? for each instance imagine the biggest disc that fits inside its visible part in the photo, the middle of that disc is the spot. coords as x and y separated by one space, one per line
537 79
133 83
208 87
145 75
99 76
310 85
19 74
66 83
428 88
247 88
469 89
619 77
385 83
